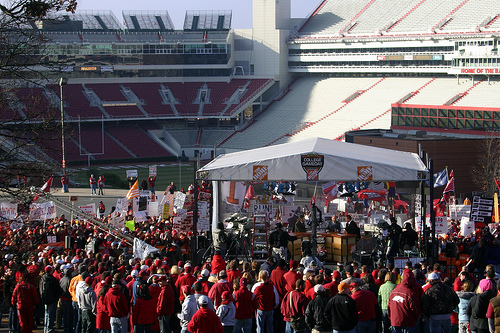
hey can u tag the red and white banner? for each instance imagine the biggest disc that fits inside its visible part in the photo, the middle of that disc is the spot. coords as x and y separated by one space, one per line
43 211
8 210
88 209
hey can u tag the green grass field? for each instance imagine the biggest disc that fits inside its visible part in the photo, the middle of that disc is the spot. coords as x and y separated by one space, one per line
116 176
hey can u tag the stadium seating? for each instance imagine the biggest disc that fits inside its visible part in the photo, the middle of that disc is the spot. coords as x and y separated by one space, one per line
440 91
91 141
484 94
377 16
149 93
137 141
473 13
332 17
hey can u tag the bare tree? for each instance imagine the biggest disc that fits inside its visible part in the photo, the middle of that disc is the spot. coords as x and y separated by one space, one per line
28 121
484 173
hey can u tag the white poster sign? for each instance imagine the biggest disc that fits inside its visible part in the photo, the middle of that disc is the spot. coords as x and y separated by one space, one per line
180 198
203 224
121 205
142 249
43 211
117 221
132 173
16 225
8 210
202 209
466 227
441 225
152 170
88 209
140 216
153 208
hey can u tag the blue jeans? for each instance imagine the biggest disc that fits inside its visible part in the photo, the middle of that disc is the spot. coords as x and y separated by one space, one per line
119 324
439 325
93 189
65 188
265 320
350 331
398 329
368 326
242 324
289 329
164 324
88 321
142 328
386 322
77 318
13 320
67 316
50 317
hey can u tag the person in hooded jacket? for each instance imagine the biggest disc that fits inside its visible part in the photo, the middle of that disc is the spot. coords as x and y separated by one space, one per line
50 291
165 305
87 301
189 308
25 298
144 311
66 302
243 299
478 306
226 312
102 320
218 263
404 304
464 297
117 307
204 320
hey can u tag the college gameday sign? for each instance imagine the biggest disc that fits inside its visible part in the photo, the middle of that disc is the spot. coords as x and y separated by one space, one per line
312 165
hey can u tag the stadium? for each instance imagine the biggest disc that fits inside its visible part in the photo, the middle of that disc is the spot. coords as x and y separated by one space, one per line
146 91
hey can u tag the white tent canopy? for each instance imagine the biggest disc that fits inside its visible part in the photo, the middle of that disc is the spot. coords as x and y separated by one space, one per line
341 161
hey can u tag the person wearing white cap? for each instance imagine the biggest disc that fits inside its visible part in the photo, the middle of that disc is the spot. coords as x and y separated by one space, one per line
205 320
315 311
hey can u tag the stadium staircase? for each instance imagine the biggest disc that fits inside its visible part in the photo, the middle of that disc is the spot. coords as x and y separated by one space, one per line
347 101
462 95
487 25
350 25
198 137
120 144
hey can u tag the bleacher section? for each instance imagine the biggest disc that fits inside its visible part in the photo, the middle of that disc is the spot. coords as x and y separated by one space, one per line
377 16
472 14
333 16
311 109
339 18
96 20
137 141
207 20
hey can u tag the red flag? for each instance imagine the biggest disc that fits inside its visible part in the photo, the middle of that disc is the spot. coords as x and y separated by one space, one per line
450 187
249 195
48 184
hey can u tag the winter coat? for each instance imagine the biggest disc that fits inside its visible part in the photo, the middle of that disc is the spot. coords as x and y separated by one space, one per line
476 310
266 297
218 264
315 314
243 300
116 303
189 308
277 278
25 296
49 288
404 303
64 284
205 321
144 311
226 313
165 305
102 320
341 312
87 299
464 298
366 303
438 299
215 294
298 308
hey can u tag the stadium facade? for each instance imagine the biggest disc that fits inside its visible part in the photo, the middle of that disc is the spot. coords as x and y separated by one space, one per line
149 90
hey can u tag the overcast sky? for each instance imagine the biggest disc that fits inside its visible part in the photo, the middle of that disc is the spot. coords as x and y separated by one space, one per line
242 9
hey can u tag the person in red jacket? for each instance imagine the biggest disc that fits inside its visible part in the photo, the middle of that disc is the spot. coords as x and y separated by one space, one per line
366 302
165 305
243 300
155 290
117 307
144 311
233 272
205 320
266 299
278 279
298 304
185 279
404 304
218 263
333 286
25 297
292 275
102 318
215 293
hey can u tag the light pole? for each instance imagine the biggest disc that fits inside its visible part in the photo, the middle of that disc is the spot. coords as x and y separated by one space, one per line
62 82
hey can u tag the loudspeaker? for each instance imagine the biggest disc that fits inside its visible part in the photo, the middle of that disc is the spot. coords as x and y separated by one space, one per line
69 242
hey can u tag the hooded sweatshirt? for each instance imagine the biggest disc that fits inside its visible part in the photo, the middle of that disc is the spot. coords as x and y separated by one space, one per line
87 299
404 304
189 308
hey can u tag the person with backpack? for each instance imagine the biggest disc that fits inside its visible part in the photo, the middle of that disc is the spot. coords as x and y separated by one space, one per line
50 290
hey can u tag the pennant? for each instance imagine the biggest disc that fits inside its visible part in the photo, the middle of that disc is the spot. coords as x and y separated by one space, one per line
248 195
130 225
46 187
134 191
450 187
331 190
440 178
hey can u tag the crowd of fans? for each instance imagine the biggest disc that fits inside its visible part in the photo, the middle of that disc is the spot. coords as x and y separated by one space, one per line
78 291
